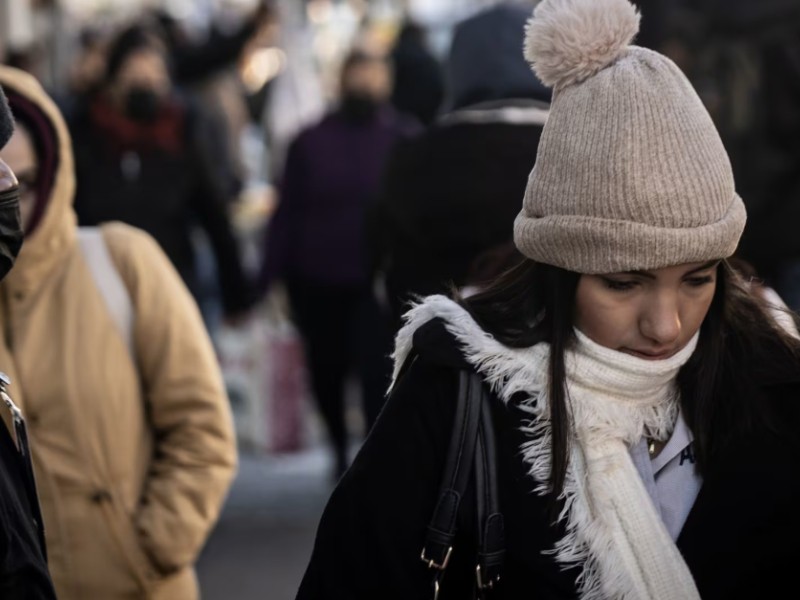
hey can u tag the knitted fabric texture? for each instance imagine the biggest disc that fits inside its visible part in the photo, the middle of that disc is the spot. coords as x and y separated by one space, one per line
614 532
631 173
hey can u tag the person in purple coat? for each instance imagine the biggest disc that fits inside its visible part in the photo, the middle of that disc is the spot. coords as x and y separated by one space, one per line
316 241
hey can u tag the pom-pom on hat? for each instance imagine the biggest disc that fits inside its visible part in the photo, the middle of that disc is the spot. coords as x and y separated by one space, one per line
631 173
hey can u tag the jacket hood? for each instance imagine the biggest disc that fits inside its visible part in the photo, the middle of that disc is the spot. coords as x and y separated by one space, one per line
55 231
486 61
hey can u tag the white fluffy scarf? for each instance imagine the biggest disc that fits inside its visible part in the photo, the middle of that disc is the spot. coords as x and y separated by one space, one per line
613 530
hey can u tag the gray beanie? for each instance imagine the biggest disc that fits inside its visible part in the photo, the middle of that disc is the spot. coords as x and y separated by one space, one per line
631 173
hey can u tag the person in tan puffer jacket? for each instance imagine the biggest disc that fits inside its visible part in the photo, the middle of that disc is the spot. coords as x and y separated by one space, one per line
133 446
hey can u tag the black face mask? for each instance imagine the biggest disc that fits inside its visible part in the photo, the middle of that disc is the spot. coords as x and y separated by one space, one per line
10 229
359 108
142 105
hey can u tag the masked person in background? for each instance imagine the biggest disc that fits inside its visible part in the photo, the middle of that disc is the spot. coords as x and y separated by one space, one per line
133 444
316 242
143 156
23 563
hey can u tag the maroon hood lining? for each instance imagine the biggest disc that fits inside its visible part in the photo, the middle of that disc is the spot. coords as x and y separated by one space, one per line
45 141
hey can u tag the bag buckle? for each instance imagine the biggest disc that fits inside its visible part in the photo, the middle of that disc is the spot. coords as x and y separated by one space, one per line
488 585
432 563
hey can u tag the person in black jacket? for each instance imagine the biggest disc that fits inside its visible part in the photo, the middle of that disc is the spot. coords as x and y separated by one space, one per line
418 79
23 562
143 157
644 401
472 164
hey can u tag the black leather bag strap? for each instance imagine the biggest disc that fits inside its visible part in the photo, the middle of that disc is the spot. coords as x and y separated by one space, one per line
457 468
490 524
472 447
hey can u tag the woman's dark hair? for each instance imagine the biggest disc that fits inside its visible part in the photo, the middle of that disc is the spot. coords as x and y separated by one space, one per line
740 348
135 38
528 304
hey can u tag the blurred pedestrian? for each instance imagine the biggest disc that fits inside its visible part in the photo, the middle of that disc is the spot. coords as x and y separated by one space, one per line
452 194
134 447
86 70
143 156
196 61
633 397
23 563
209 68
418 88
316 242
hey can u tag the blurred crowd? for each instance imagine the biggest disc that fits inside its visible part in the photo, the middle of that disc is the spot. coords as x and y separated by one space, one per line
402 181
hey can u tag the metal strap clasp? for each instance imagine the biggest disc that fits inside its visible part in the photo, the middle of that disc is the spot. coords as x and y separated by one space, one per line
432 563
488 585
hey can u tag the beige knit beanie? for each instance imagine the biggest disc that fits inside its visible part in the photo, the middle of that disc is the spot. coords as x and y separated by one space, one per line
631 173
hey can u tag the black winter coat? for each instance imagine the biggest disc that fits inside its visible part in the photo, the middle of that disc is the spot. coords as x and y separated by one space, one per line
165 194
23 566
449 196
739 541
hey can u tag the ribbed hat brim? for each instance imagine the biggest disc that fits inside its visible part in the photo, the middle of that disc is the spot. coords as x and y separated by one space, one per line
593 245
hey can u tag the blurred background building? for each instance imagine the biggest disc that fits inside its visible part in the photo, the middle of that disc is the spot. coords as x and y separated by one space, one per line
263 72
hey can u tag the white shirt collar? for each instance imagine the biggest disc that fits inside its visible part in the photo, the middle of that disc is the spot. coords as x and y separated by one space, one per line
681 438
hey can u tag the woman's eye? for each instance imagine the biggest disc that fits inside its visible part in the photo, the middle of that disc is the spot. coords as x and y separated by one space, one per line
619 286
700 281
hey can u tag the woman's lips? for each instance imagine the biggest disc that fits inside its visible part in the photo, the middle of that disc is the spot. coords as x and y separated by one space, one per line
650 354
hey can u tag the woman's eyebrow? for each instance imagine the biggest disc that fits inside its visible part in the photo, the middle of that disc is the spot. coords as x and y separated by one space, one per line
703 267
639 274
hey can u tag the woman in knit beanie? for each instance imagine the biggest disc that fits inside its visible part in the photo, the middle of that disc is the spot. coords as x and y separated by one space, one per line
640 403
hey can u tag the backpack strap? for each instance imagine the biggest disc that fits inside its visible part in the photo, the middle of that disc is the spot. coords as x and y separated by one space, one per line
490 523
472 446
108 281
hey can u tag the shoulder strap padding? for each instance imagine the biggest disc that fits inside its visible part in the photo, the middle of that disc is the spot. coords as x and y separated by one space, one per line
108 281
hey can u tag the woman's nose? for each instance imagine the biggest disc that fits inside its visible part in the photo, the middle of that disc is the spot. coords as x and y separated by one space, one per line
661 322
7 178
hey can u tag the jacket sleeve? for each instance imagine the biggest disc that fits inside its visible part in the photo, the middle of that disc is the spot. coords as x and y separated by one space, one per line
277 247
379 231
372 531
194 459
210 205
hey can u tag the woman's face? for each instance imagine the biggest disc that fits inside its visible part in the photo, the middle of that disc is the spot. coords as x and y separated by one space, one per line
143 69
649 314
20 155
372 79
